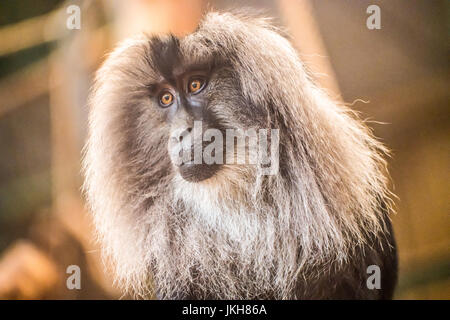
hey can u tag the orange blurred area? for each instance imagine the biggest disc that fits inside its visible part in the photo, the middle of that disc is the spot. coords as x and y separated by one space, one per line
26 272
397 77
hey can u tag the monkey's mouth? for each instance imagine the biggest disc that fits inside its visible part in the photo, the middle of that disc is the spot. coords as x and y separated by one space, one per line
191 170
197 172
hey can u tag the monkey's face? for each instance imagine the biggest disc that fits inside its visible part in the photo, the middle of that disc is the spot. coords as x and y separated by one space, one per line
170 106
185 105
200 104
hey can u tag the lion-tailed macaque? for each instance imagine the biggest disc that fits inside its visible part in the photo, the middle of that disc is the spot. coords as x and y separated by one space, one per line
181 209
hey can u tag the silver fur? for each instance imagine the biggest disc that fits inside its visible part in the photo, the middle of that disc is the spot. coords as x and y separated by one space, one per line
156 228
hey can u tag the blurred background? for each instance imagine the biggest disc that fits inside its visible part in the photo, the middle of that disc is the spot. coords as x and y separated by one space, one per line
396 76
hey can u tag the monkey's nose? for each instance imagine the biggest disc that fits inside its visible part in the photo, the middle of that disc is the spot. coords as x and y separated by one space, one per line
179 134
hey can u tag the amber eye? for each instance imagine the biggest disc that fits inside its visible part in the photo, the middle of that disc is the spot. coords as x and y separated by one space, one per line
196 85
165 99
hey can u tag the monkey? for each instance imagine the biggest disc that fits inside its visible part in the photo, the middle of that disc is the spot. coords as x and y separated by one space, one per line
185 230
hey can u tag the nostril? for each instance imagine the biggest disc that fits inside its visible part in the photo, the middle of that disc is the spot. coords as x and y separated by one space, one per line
184 133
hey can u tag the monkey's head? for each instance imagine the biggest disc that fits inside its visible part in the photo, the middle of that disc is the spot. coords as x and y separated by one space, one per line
157 88
234 73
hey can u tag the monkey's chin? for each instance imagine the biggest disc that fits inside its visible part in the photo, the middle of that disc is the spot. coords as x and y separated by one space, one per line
197 172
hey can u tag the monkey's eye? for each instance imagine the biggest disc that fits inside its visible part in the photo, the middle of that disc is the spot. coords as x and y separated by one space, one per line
165 99
196 85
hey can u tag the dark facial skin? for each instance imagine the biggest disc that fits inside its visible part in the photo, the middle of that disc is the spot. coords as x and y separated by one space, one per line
184 99
204 90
